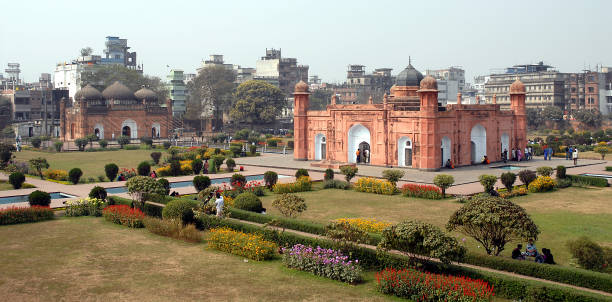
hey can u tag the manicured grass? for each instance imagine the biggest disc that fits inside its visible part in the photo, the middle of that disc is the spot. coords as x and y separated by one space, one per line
76 259
92 163
561 215
5 186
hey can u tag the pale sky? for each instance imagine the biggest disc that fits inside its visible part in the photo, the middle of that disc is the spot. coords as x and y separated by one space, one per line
326 35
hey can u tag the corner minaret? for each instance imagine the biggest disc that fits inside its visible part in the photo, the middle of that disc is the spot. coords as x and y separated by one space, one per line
517 105
428 151
300 121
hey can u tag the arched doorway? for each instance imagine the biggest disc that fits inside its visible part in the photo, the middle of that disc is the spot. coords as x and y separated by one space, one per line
99 131
505 142
364 153
357 135
126 131
478 139
404 152
72 127
320 147
446 150
129 129
155 130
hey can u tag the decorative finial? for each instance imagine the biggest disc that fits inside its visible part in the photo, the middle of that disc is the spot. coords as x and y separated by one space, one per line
385 98
370 101
409 61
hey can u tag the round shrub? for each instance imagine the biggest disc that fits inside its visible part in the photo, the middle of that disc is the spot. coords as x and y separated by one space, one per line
165 184
98 192
175 168
167 145
301 172
36 141
249 202
177 208
231 164
217 160
238 180
588 254
443 181
16 179
527 176
561 172
201 182
144 168
487 181
329 174
39 198
111 171
253 149
123 140
74 175
156 156
542 184
58 145
196 166
270 178
544 171
103 143
508 180
393 175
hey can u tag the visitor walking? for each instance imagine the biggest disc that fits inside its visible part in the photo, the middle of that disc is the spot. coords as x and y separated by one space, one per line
519 156
219 204
575 156
366 156
550 152
545 151
526 153
513 154
505 155
206 166
357 153
569 154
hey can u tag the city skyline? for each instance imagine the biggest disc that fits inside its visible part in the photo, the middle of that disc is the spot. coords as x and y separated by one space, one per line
377 35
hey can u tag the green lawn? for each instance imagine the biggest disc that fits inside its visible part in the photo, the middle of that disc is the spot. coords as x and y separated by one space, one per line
5 185
561 215
92 163
76 259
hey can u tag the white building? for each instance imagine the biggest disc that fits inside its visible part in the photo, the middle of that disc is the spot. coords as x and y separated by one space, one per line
450 82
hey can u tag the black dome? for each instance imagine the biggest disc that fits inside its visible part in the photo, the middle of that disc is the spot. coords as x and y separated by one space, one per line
88 93
409 77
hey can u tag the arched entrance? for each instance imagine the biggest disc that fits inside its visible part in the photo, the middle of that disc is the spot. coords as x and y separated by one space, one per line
505 142
99 131
129 129
155 130
446 150
404 152
320 147
364 153
357 135
478 139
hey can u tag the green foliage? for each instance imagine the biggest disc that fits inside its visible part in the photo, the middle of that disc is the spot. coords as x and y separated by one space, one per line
176 208
302 184
39 198
173 228
156 156
290 205
36 141
141 186
345 235
144 168
487 182
493 222
588 180
147 141
608 168
196 166
257 102
602 150
349 172
301 172
508 180
414 237
16 179
544 171
393 175
588 118
527 176
235 150
552 113
103 76
588 253
253 149
111 171
39 164
165 185
175 167
6 152
103 143
217 160
74 175
443 181
335 184
270 178
81 143
238 180
58 145
123 140
211 88
201 182
561 172
98 192
231 164
15 215
249 202
329 174
166 145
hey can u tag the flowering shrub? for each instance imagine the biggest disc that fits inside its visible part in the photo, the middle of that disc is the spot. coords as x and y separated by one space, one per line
56 174
163 171
517 191
424 286
422 191
25 214
302 184
128 172
252 246
370 225
124 215
542 184
186 168
322 262
84 207
373 185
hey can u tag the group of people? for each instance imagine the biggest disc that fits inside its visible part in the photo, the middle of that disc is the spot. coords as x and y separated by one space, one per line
548 152
532 251
517 154
571 153
363 156
219 202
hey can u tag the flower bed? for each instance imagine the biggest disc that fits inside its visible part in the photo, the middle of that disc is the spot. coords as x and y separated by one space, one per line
516 191
422 191
16 215
128 173
370 225
322 262
56 174
252 246
373 185
85 207
124 215
542 184
302 184
424 286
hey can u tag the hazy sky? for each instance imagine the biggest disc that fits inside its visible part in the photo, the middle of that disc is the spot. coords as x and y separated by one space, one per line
327 35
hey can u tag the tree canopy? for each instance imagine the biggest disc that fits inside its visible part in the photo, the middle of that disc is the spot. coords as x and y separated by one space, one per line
534 118
212 88
257 102
588 117
319 99
102 76
552 113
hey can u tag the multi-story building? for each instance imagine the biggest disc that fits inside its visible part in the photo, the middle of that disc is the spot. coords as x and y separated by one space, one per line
450 82
177 89
12 76
359 86
243 74
117 53
589 90
281 72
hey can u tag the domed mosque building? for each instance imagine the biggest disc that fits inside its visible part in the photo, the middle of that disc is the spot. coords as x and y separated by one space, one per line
409 128
114 112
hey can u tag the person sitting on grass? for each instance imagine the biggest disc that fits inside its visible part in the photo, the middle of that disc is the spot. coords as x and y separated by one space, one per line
517 254
549 259
531 250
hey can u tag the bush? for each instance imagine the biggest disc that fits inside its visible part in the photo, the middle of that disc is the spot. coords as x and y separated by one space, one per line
111 171
370 225
196 166
98 192
393 175
608 168
16 179
144 168
349 172
588 180
252 246
270 178
589 254
326 263
85 207
36 141
139 187
544 171
253 149
201 182
290 205
508 180
124 215
422 191
329 174
173 228
6 152
165 184
177 207
16 215
156 156
56 174
373 185
527 176
424 286
39 198
238 180
487 182
301 185
335 184
542 184
74 175
81 143
147 141
218 161
123 140
58 145
301 172
103 143
249 202
564 182
166 145
443 181
231 164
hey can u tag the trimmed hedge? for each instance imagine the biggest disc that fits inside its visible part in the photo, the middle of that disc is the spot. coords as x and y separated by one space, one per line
16 215
590 180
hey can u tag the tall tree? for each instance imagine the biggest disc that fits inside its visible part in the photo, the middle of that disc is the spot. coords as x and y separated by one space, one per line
588 118
257 102
319 99
87 51
211 89
552 113
534 118
102 76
